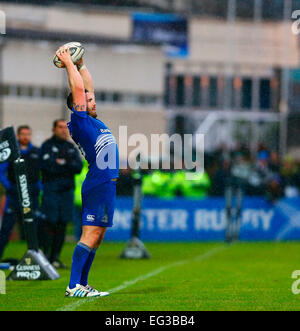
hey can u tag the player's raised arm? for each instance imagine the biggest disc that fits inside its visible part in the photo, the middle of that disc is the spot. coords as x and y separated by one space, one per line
86 76
75 79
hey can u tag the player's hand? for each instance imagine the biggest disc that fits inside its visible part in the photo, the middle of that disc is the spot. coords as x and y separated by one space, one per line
79 62
64 55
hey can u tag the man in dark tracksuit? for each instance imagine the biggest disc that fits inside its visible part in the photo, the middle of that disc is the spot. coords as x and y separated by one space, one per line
30 154
60 161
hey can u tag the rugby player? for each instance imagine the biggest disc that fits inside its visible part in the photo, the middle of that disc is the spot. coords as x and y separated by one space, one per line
99 147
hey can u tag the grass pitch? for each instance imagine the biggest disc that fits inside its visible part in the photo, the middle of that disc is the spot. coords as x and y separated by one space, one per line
178 277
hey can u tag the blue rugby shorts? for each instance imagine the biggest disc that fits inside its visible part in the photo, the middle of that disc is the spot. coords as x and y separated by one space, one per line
98 205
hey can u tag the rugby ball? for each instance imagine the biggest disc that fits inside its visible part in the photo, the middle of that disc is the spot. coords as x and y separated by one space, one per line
76 51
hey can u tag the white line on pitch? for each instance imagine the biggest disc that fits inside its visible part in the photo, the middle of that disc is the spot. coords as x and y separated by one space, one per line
153 273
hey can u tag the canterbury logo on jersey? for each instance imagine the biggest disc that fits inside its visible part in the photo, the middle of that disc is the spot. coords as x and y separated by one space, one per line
103 141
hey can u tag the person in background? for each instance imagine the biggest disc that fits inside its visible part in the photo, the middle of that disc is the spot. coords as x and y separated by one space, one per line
30 154
125 182
290 177
60 162
221 178
274 189
274 162
259 175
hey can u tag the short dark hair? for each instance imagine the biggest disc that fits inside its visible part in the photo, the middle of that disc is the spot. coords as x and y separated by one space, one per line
70 100
23 127
57 121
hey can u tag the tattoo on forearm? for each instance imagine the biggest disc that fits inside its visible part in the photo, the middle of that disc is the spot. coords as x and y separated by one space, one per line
77 107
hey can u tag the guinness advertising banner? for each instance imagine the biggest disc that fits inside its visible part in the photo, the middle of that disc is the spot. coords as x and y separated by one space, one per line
34 265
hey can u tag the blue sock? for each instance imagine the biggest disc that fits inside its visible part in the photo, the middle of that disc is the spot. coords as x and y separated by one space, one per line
87 267
80 257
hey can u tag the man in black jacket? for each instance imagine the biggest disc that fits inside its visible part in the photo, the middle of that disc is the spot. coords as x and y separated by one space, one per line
60 161
30 154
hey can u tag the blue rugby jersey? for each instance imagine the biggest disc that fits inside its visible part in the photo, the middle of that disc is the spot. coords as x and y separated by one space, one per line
97 145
